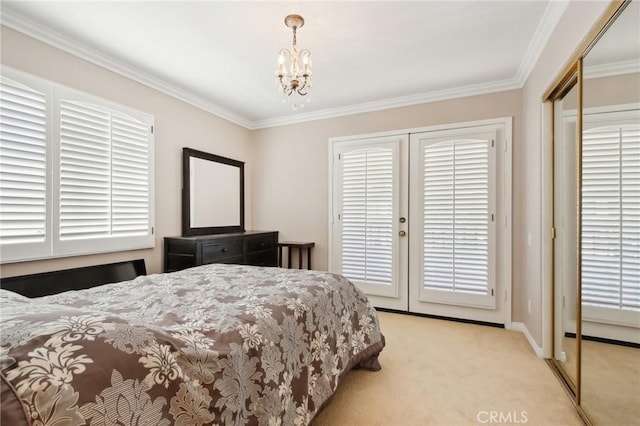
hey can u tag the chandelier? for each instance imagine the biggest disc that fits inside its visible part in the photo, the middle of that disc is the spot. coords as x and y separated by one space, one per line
294 69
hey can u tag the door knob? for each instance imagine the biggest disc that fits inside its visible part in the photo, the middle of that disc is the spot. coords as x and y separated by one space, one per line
402 233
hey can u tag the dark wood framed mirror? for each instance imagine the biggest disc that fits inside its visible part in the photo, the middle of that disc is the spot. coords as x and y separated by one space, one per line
212 193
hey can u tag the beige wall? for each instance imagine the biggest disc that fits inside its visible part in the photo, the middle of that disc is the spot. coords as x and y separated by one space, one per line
177 124
614 90
574 25
605 91
291 162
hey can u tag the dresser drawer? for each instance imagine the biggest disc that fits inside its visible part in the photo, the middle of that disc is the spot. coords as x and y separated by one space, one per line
238 260
215 252
263 258
261 242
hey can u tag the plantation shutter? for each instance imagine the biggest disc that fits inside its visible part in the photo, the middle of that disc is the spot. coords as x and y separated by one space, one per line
76 172
611 217
85 171
367 215
130 176
456 215
23 164
104 173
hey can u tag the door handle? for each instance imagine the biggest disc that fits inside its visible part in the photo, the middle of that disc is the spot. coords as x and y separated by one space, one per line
402 233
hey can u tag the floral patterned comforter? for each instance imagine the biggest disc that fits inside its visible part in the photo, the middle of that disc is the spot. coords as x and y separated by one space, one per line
216 344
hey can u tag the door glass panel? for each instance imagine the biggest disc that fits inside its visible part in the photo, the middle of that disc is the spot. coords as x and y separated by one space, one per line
456 180
367 215
456 208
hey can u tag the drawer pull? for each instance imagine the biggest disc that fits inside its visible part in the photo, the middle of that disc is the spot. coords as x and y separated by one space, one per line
224 250
262 244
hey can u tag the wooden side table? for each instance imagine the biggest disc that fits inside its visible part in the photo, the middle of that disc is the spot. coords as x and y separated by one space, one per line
295 245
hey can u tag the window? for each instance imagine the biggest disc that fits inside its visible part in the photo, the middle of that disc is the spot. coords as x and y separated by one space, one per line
611 217
23 114
75 172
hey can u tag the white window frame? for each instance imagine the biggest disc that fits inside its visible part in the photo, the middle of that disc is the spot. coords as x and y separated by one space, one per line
53 247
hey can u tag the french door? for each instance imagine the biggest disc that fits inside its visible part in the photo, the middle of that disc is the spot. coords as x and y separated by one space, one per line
369 225
414 220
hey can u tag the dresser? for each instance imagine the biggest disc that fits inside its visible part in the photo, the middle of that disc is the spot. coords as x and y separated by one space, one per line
249 248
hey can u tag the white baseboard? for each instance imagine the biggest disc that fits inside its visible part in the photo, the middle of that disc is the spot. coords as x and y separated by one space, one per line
519 326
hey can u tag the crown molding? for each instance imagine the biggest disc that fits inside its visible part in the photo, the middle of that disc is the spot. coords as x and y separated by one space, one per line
421 98
547 24
550 18
46 35
612 69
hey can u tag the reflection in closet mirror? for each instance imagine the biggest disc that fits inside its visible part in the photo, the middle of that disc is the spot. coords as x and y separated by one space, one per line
610 391
565 202
596 220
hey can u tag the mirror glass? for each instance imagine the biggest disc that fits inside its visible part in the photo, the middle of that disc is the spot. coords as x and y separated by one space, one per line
206 193
213 194
610 386
565 214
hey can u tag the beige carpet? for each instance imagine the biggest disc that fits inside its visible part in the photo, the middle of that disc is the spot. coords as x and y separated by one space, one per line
438 372
611 383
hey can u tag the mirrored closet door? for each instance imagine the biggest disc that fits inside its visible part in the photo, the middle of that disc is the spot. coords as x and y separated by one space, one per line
596 221
610 391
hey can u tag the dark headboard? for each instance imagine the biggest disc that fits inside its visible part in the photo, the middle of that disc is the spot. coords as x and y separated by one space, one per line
37 285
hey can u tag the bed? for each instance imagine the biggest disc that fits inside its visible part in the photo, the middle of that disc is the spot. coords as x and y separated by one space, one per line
215 344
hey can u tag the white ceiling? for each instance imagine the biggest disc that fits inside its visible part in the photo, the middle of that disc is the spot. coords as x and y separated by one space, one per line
366 55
